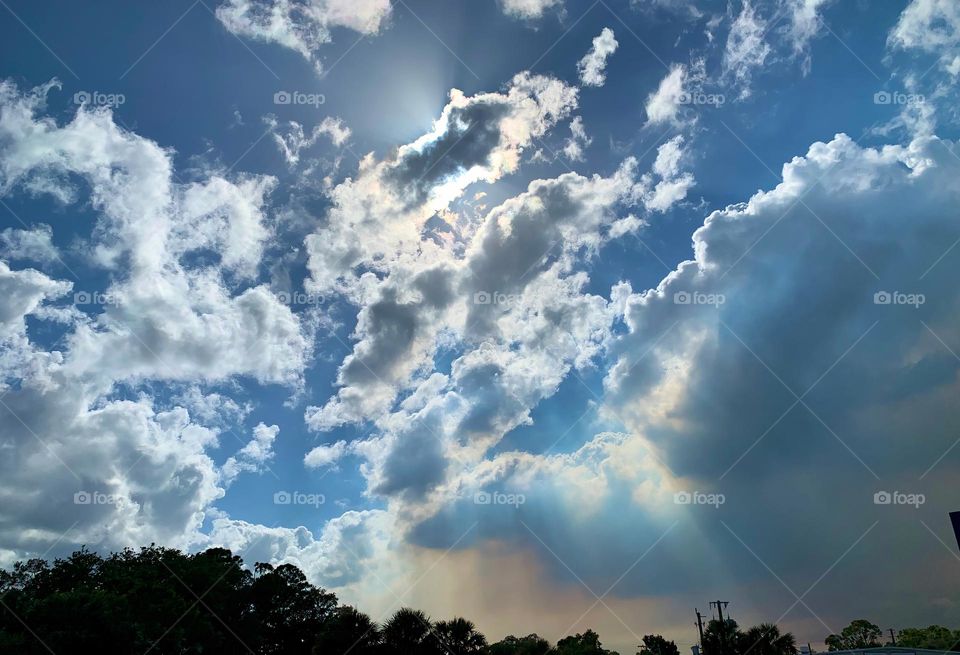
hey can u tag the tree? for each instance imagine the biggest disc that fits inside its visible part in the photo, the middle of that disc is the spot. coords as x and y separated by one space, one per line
587 643
765 639
859 634
348 629
935 637
289 611
409 632
459 637
657 645
722 638
532 644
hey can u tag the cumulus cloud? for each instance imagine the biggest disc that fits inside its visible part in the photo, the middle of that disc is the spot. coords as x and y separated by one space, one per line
34 244
593 65
528 9
302 26
327 455
707 391
378 216
253 457
180 304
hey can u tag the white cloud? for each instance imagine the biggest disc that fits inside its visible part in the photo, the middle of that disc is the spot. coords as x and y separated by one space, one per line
528 9
378 216
804 27
125 468
573 147
327 455
21 293
746 49
931 26
302 27
253 457
593 65
673 183
293 141
663 105
34 244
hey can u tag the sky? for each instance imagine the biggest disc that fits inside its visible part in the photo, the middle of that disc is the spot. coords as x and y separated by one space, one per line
548 313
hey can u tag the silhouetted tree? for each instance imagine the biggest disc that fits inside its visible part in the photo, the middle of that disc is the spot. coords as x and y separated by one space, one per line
859 634
409 632
721 638
348 630
532 644
289 610
766 639
935 637
587 643
657 645
459 637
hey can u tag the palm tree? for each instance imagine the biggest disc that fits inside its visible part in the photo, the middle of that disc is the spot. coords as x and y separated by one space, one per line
408 632
348 630
765 639
459 637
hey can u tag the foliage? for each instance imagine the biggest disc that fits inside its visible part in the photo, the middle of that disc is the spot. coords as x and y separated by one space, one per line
532 644
934 637
859 634
657 645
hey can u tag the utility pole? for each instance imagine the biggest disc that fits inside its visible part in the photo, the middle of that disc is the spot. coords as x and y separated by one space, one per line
893 637
699 625
720 604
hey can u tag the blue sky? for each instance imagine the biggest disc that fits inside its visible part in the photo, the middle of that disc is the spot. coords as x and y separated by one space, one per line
538 300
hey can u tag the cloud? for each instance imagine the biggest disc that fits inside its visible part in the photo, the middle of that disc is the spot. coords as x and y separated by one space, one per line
746 49
698 383
528 9
294 140
593 65
933 27
804 27
663 105
253 457
302 26
23 292
178 303
327 455
34 244
573 147
673 183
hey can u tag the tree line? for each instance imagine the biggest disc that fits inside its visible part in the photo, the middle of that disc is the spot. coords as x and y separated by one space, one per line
864 634
161 601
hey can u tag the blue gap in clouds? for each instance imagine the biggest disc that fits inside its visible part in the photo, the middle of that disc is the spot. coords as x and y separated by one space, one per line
555 428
